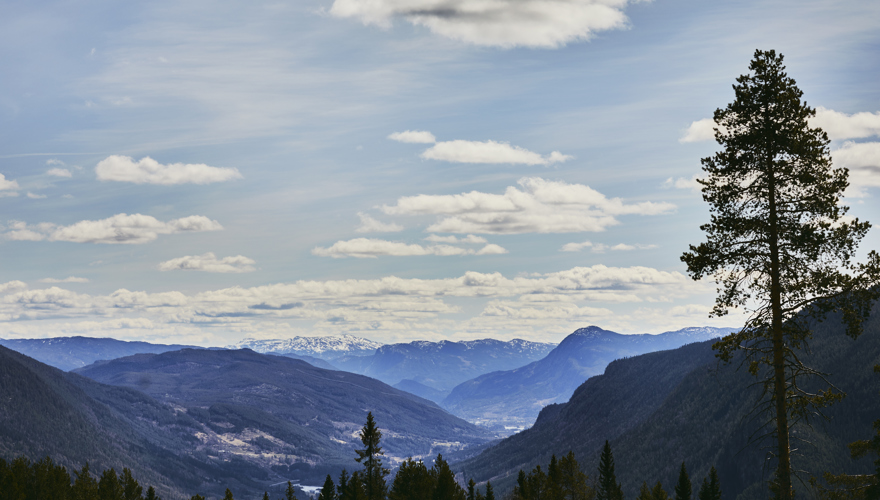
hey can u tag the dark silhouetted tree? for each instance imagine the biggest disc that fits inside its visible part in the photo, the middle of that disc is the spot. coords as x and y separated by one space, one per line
607 487
683 488
413 481
151 494
711 487
374 473
658 493
490 493
446 488
779 244
328 491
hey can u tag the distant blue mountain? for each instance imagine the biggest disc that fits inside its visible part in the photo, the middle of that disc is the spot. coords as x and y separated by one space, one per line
440 366
70 353
513 398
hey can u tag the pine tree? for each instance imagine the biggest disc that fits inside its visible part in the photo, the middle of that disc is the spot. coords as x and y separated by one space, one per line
131 490
151 494
471 495
342 490
644 492
374 473
490 493
779 243
711 487
228 495
197 497
574 480
265 495
85 487
446 488
109 487
607 486
328 491
683 489
658 493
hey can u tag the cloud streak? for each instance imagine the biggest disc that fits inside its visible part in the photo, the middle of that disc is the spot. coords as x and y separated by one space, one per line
118 229
208 262
369 248
149 171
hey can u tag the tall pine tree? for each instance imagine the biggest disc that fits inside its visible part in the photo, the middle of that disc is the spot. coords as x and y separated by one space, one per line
374 473
779 244
607 487
683 488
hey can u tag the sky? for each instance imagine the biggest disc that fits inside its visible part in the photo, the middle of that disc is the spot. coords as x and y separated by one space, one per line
205 171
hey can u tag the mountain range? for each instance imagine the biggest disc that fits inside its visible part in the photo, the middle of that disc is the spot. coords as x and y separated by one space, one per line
513 398
664 408
432 369
327 347
198 420
69 353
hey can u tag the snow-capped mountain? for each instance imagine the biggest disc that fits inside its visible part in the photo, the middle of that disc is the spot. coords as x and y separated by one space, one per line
327 348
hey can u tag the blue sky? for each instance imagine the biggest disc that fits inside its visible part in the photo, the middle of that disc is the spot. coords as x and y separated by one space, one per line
201 172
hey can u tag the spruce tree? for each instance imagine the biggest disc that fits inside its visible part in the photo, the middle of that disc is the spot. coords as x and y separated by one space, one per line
85 487
658 493
711 487
683 489
328 491
490 493
607 486
374 473
644 492
446 488
131 490
197 497
228 495
151 494
265 495
471 495
779 244
342 490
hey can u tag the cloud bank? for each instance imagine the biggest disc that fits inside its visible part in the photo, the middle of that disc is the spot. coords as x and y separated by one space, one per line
536 206
149 171
371 225
498 23
459 151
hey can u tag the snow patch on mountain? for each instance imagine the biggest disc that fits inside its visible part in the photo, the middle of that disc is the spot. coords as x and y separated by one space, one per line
322 347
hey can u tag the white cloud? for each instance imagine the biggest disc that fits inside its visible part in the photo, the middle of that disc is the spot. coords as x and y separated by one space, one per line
149 171
121 228
12 286
371 248
863 161
575 247
371 225
59 172
6 185
499 23
842 126
602 248
684 183
460 151
413 136
69 279
541 206
54 161
209 262
700 130
454 239
35 196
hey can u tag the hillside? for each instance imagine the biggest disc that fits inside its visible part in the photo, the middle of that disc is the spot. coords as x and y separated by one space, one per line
285 414
69 353
440 366
663 408
515 397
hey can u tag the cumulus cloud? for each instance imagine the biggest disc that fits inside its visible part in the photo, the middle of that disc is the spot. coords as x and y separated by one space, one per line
843 126
7 185
209 262
460 151
69 279
602 248
121 228
684 183
59 172
34 196
371 225
700 130
149 171
501 23
12 286
863 161
537 206
837 125
413 136
371 248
